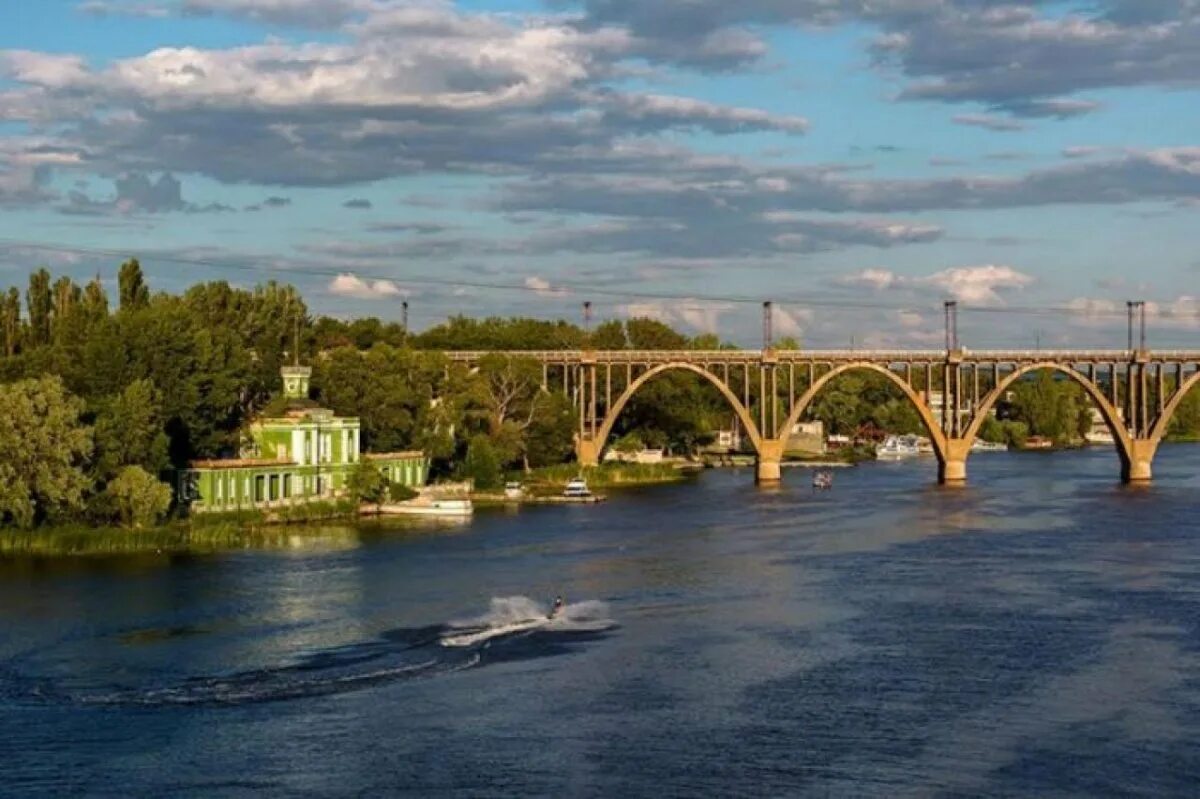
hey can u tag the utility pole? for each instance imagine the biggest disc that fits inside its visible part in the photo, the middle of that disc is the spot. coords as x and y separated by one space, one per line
1129 313
768 336
951 325
587 316
404 317
1142 314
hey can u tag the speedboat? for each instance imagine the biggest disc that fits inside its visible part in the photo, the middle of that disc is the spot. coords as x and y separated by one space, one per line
822 479
577 488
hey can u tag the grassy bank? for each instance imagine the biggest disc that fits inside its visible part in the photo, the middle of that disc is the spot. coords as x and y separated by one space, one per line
301 526
174 538
551 479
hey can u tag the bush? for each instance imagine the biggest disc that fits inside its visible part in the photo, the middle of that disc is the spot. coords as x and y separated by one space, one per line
398 492
482 464
368 484
140 499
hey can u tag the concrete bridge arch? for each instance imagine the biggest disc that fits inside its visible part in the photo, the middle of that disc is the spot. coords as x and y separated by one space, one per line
591 448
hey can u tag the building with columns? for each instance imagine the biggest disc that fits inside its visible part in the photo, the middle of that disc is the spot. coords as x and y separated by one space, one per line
304 454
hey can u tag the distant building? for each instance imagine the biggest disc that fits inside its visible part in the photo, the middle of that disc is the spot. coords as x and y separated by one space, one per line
304 455
1099 432
937 406
640 456
807 437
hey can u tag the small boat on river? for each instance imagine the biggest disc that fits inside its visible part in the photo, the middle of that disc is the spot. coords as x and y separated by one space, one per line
898 447
577 488
422 506
822 479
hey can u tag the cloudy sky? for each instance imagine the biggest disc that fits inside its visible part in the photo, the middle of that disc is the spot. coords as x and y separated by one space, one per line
856 161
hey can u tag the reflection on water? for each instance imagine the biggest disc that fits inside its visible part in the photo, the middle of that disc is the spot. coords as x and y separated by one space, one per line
1035 633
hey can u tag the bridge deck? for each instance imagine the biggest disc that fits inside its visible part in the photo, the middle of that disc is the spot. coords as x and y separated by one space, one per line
838 356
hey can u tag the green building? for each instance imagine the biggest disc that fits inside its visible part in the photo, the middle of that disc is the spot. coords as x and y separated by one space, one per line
303 455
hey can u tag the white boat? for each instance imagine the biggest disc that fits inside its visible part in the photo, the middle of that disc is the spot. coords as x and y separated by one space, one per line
513 491
979 445
429 507
822 479
577 488
898 447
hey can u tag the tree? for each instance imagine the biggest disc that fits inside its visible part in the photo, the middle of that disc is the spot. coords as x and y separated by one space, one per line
95 301
10 321
132 286
43 446
481 464
1185 424
651 334
549 439
608 335
511 395
140 499
40 303
129 432
368 484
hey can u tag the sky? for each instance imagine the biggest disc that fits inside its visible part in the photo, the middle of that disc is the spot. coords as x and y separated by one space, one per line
855 162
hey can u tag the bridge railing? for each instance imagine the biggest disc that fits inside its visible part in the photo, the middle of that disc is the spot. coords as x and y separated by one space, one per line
808 356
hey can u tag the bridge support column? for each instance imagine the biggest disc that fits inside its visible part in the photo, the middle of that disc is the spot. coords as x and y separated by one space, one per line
770 460
1136 463
587 452
952 465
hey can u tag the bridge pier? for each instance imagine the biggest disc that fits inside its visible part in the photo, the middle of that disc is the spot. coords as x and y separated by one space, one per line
587 452
952 464
1136 463
770 460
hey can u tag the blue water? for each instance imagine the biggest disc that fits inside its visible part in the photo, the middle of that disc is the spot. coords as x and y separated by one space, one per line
1036 633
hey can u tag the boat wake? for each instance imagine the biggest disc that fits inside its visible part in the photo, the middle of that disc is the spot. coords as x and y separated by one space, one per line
514 628
518 615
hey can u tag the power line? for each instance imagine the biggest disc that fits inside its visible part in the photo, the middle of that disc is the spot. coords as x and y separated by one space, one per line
246 265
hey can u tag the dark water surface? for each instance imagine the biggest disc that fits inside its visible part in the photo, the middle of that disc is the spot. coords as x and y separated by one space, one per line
1037 633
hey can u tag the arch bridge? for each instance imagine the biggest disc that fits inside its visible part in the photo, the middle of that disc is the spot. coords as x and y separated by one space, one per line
1135 391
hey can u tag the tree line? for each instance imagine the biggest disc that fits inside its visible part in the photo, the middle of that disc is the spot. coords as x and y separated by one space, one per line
101 401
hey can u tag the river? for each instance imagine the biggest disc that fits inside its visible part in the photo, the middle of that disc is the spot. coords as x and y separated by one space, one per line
1035 633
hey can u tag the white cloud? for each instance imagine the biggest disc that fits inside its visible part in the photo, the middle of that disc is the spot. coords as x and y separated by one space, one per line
791 322
696 314
989 122
348 284
974 285
542 287
877 279
978 285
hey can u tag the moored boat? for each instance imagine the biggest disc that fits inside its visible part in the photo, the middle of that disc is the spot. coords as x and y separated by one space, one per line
429 507
897 447
577 488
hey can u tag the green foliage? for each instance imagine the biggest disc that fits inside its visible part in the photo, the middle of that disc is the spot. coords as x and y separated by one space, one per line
129 432
40 304
1050 406
494 333
549 439
482 464
10 321
134 293
551 479
43 446
140 499
629 443
1185 424
368 484
651 334
398 492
